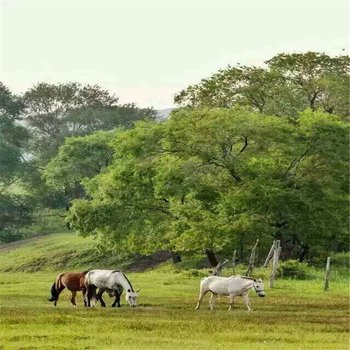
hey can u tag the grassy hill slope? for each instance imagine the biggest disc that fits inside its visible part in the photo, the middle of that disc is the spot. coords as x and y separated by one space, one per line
61 251
49 252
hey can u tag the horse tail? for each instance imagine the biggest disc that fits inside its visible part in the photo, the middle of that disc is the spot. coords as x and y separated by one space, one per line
55 288
87 278
90 289
58 283
54 294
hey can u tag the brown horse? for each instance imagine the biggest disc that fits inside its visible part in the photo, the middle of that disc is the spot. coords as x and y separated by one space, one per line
73 281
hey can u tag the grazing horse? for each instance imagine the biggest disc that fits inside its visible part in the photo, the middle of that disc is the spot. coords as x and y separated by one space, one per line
108 280
73 281
231 287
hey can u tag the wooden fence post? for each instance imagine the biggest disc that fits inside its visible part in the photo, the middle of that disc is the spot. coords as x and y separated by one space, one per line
328 274
234 262
218 268
251 259
276 255
270 255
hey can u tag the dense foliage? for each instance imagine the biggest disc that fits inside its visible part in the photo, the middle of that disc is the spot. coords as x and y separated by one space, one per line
252 152
288 84
15 211
53 113
219 178
33 127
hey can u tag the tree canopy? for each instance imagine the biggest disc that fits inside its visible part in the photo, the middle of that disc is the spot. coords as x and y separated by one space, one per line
213 179
288 84
56 112
32 128
251 152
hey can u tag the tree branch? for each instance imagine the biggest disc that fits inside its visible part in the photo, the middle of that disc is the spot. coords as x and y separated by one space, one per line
245 145
294 164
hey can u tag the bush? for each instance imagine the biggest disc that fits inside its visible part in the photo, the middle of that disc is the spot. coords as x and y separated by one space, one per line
294 269
341 259
196 273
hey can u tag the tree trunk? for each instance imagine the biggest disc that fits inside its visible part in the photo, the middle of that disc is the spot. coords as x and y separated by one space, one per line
211 257
68 205
304 253
176 258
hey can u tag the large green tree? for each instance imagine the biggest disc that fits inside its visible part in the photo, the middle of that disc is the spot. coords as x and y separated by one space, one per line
216 179
288 84
78 159
55 112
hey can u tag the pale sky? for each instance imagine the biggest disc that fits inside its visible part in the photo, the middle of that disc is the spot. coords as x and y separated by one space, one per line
146 51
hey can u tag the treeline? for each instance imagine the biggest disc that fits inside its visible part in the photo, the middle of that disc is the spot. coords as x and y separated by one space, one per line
33 127
250 153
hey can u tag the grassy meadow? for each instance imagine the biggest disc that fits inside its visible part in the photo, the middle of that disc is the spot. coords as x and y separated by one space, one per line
294 315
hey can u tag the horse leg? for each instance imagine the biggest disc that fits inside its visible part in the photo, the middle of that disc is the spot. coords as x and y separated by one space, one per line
212 301
232 299
72 300
99 297
83 290
91 293
247 302
117 299
200 298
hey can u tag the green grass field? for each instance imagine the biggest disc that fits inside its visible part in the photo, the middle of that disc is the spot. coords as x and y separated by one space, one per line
294 315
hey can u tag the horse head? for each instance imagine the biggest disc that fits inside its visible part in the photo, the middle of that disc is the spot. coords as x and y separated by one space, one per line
131 297
259 287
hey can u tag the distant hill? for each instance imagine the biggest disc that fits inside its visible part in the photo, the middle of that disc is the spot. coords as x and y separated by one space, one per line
163 114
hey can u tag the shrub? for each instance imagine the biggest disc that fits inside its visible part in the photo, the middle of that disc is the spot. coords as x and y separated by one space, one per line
341 259
294 269
196 273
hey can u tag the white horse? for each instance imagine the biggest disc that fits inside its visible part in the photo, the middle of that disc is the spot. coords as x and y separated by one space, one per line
231 287
108 280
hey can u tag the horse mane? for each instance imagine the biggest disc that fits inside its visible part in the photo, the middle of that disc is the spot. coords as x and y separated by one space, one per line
247 278
244 277
132 289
